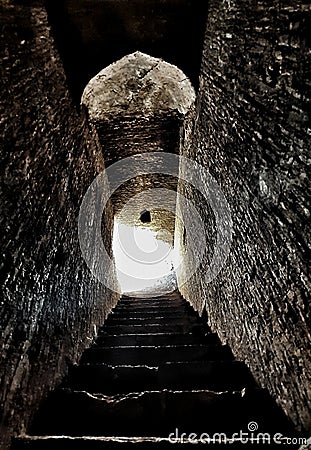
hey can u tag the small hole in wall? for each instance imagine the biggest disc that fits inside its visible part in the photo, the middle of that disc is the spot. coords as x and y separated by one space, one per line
145 216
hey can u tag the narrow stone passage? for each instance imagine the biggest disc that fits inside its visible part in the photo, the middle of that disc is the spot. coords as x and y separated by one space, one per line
156 371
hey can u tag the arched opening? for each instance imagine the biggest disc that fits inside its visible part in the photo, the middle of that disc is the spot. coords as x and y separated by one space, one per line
138 105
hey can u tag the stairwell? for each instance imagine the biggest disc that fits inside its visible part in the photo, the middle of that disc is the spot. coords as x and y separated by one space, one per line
155 376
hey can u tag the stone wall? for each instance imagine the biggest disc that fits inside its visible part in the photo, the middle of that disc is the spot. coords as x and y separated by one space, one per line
125 137
50 305
251 130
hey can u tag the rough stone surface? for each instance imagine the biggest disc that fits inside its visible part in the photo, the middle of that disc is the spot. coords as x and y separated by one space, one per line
251 130
307 446
50 305
137 84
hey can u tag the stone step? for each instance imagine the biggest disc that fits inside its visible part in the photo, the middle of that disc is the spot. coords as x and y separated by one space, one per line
153 369
128 315
155 319
157 339
130 305
168 297
152 300
110 380
152 328
132 443
212 375
172 312
157 413
153 310
148 355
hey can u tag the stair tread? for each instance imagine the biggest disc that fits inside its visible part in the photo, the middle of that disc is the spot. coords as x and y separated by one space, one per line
151 307
164 306
155 334
155 355
111 442
212 375
156 301
155 312
158 321
154 367
155 412
156 339
154 347
154 319
152 328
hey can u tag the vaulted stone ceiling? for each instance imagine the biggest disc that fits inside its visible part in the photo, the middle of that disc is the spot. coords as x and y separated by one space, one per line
138 85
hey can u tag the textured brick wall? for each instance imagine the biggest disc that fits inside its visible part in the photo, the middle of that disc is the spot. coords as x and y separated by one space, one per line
251 130
121 138
49 156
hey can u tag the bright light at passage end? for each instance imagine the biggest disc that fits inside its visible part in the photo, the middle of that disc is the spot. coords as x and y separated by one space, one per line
142 260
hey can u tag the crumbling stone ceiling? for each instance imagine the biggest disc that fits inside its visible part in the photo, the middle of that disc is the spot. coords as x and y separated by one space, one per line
138 105
91 34
138 85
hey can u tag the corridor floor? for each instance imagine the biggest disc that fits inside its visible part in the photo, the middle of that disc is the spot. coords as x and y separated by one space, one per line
156 377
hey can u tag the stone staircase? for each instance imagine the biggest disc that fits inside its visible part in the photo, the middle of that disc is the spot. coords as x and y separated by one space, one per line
155 368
